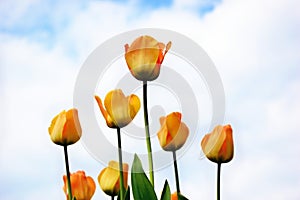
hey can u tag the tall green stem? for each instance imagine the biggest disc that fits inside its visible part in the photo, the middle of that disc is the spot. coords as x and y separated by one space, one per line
150 159
68 172
120 165
218 181
176 172
112 197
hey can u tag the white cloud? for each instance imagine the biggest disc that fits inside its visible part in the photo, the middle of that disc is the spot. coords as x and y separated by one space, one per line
254 45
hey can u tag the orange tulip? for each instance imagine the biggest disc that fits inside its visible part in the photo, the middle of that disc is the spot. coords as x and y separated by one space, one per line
174 196
65 128
119 110
218 145
83 187
145 56
109 178
173 133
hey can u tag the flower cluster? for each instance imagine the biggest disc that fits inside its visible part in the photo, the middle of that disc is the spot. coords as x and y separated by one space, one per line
144 58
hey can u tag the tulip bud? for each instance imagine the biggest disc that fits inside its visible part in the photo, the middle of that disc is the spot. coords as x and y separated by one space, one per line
109 178
218 145
145 56
83 187
65 128
174 196
119 110
173 133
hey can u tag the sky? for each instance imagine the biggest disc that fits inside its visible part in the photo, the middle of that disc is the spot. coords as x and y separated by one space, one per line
253 44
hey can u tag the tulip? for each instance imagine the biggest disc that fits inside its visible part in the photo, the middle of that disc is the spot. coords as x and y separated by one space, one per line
109 178
174 196
172 136
218 145
173 133
65 128
119 110
218 148
83 187
145 56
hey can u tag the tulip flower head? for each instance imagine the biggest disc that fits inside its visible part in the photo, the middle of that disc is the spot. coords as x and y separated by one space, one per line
145 56
218 145
83 187
65 128
119 110
173 133
174 196
109 178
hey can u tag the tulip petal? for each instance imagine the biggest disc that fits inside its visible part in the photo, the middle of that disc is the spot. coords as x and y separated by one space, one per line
72 130
162 120
168 47
109 178
215 142
56 128
181 136
134 105
107 118
91 186
173 122
226 151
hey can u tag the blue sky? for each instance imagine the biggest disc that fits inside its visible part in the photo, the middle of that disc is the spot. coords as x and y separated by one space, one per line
254 45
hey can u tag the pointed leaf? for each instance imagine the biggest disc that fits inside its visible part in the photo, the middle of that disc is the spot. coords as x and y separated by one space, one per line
181 197
127 194
142 189
166 193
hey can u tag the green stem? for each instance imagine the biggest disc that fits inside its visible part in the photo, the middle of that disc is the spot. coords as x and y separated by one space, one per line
68 172
150 159
120 165
218 181
112 197
176 172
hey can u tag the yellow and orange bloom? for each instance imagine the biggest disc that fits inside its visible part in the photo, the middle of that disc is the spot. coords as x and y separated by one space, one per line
218 145
65 128
83 187
145 56
109 178
173 133
174 196
119 110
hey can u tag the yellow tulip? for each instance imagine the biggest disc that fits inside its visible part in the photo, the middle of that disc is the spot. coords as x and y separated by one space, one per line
109 178
173 133
145 56
83 187
65 128
119 110
218 145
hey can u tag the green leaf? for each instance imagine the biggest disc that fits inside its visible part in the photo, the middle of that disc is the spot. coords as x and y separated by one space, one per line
127 194
142 189
181 197
166 193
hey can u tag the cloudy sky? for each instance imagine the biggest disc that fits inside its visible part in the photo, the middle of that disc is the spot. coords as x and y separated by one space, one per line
254 45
